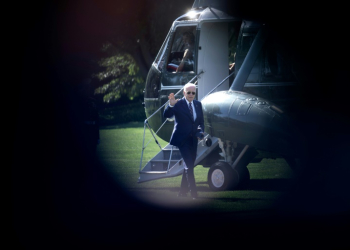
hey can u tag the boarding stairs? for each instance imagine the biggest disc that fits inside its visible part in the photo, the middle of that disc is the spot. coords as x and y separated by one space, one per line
168 162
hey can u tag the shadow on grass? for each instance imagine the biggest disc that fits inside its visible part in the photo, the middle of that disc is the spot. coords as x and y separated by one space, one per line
277 185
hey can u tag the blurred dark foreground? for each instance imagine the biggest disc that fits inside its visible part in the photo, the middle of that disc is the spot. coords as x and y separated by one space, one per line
63 198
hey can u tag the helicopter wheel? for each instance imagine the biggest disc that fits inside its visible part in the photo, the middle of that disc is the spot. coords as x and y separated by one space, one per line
244 177
242 170
222 177
297 165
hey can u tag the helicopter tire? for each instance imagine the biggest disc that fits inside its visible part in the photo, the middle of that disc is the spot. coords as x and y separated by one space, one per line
242 169
244 177
297 165
222 177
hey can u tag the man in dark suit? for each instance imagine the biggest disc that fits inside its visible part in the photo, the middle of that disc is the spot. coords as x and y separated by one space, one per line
188 129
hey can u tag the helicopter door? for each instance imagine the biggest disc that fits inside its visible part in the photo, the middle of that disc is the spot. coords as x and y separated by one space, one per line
213 57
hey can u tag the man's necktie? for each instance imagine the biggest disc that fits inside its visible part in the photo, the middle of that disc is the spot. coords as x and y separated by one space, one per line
191 110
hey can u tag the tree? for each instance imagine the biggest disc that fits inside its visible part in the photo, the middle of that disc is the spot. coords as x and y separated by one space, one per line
133 45
121 73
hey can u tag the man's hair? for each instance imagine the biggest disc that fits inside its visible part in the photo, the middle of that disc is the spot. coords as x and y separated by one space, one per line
189 85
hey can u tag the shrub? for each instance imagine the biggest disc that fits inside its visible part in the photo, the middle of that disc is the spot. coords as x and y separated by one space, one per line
134 112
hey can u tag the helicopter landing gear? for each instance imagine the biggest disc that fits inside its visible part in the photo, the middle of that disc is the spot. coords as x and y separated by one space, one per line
231 173
221 176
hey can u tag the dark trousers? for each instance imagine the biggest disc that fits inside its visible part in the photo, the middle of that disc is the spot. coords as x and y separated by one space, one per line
189 152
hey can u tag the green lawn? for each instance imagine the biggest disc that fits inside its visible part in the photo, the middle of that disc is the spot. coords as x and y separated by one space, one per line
120 152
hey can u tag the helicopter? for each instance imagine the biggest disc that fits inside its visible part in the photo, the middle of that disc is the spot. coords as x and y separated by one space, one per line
249 82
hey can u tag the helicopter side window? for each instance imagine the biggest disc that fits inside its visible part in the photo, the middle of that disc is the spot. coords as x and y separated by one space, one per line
181 58
276 63
247 42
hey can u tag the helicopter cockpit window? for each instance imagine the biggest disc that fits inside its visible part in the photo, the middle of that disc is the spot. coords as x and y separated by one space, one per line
159 62
181 58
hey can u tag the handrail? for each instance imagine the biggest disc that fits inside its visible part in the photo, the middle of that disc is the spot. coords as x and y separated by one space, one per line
153 134
218 85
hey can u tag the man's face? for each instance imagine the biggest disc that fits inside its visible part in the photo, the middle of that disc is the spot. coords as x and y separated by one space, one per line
190 96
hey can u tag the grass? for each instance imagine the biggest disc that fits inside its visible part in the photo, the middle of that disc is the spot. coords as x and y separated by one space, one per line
120 152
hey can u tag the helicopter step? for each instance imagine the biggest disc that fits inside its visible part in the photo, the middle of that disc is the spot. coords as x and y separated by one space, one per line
169 163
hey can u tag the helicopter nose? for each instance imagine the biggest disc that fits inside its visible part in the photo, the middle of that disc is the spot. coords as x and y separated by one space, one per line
248 119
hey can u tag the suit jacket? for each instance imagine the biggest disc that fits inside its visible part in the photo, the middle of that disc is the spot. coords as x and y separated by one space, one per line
184 125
